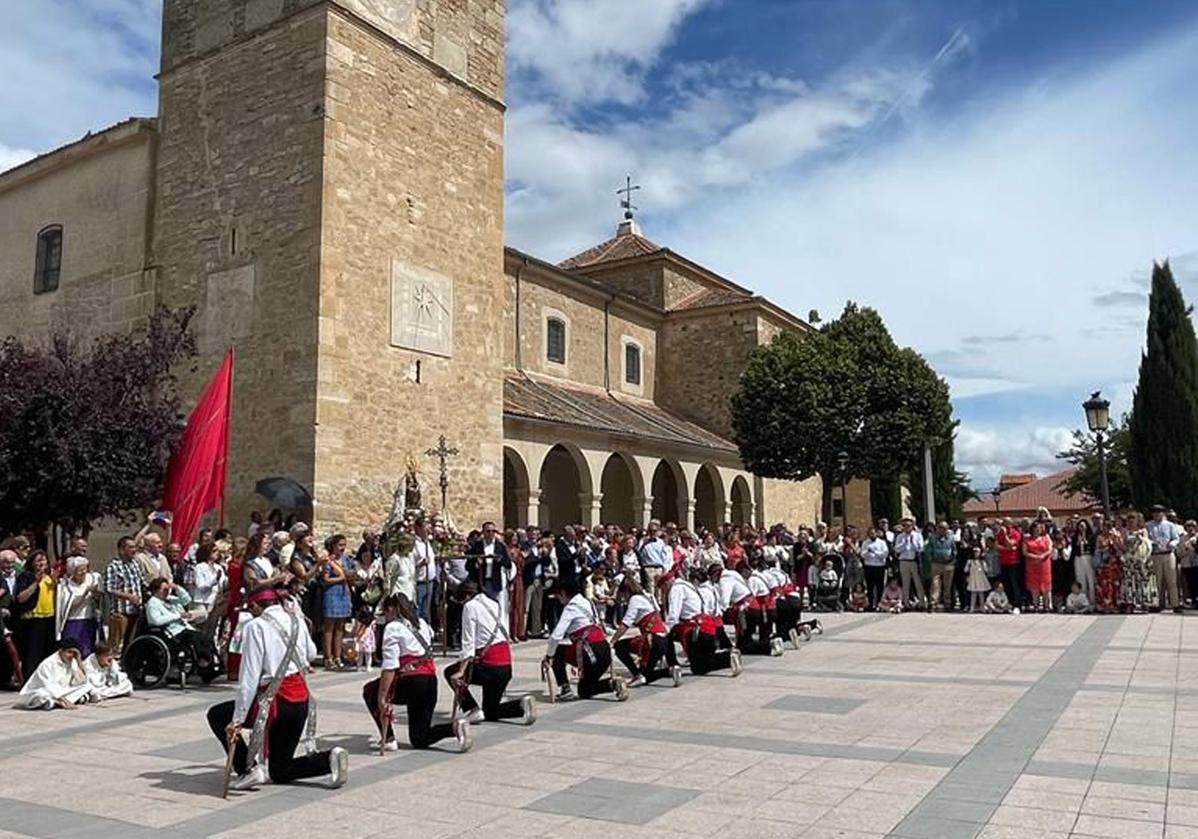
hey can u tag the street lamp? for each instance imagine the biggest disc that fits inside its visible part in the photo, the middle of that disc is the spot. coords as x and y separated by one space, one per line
843 459
996 494
1098 418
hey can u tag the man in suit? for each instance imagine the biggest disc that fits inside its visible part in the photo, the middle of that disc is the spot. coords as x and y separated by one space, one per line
10 661
488 561
569 554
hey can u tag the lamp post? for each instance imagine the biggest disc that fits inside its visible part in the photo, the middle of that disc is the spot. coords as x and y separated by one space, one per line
843 459
1098 418
996 494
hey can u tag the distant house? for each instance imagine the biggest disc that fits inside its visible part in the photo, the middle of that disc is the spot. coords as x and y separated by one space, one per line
1022 495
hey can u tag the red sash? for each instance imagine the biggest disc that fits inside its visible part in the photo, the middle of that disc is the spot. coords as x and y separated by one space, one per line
498 654
652 624
417 665
293 688
685 628
592 634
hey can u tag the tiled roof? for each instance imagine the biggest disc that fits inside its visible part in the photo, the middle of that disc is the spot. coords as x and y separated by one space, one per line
601 411
712 297
1041 492
619 247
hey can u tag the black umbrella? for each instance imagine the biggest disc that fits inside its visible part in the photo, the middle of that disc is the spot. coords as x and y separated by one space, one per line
283 492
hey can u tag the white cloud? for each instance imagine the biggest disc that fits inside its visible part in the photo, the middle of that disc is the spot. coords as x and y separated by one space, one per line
985 454
10 157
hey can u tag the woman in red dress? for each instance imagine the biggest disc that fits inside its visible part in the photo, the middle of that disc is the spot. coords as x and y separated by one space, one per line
1037 556
516 599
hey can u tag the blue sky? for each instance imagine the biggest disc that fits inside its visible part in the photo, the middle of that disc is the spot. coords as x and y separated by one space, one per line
995 177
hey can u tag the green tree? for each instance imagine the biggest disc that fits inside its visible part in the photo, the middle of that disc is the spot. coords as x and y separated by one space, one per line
1087 478
1163 444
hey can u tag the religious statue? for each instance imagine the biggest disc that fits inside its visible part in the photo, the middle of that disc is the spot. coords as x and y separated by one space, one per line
411 486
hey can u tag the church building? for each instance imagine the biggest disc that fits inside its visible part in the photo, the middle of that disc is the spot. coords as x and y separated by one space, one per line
324 183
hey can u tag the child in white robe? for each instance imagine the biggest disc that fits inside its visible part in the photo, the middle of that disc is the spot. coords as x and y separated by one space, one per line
997 602
105 676
58 682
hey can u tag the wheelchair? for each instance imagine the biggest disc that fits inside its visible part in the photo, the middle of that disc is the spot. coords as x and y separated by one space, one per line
153 658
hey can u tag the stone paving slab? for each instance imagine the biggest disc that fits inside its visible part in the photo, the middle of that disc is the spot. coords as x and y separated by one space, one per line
912 726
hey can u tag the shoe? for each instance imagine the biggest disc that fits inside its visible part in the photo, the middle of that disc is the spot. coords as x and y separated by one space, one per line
391 746
476 716
776 647
461 730
734 662
1177 610
256 777
621 689
819 627
338 768
676 675
529 706
638 681
806 632
566 694
794 638
1015 611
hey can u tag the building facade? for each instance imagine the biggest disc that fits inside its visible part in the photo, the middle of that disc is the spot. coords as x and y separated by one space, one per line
324 183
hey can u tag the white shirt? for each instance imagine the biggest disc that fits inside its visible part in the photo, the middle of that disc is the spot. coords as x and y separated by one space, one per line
639 605
480 625
908 546
758 584
578 614
875 552
732 589
399 642
710 596
685 603
775 577
423 551
263 649
630 561
262 567
209 580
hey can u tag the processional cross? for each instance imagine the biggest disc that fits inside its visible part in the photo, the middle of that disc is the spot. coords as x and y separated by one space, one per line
626 202
443 452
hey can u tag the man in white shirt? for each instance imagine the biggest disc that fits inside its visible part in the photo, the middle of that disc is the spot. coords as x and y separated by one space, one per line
271 662
579 639
743 611
696 629
426 568
1165 536
908 549
486 659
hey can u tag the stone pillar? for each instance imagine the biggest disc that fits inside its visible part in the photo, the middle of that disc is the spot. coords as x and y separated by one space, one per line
642 510
727 507
528 507
690 514
591 506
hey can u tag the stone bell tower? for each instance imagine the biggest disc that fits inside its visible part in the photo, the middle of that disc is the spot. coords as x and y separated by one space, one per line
330 198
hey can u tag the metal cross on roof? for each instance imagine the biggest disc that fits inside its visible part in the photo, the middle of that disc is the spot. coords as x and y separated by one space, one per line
626 202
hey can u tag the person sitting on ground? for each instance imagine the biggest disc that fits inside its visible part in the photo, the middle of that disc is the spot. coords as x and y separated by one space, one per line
892 597
997 602
105 676
58 682
858 600
166 611
1077 603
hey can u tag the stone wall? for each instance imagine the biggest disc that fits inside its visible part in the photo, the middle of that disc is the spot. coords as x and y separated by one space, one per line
641 281
793 503
413 181
237 231
99 192
679 284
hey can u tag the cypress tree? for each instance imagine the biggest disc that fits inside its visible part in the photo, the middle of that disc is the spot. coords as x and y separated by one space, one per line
1164 424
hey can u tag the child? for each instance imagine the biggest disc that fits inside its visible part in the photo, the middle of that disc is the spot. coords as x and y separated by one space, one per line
857 599
892 597
828 591
364 639
997 603
979 582
1077 603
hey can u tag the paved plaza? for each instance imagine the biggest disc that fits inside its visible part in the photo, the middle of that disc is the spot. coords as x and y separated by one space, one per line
1009 727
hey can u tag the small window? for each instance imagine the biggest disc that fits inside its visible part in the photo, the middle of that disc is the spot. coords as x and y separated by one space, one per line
632 364
49 260
838 508
555 340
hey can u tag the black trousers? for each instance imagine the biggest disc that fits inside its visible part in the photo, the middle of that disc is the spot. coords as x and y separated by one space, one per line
703 655
418 695
755 640
494 681
661 650
875 581
722 641
282 736
1191 577
786 616
592 675
961 583
35 641
1012 580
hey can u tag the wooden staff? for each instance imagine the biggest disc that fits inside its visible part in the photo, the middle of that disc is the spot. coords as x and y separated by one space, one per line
547 678
232 745
460 686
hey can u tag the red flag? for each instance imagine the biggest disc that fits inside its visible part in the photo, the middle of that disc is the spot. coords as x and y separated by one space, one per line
195 477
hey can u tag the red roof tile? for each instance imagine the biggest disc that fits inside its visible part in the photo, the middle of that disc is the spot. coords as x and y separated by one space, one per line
621 247
1027 498
712 297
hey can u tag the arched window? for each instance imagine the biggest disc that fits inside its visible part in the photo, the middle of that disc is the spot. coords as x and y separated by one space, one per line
49 259
555 340
632 364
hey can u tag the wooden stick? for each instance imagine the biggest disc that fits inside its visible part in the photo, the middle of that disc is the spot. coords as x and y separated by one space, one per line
547 678
232 745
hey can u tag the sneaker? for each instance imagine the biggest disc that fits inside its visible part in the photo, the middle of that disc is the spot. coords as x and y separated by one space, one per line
806 633
338 768
390 746
476 716
735 664
1015 611
794 638
819 627
676 675
461 730
256 777
776 647
529 706
621 689
566 694
637 682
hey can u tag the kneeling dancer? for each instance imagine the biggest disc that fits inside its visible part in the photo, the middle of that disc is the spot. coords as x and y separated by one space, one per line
587 648
486 660
644 653
746 611
273 698
409 676
696 630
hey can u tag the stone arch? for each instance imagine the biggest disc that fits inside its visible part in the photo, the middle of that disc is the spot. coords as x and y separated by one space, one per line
516 489
742 501
710 500
564 478
669 493
619 487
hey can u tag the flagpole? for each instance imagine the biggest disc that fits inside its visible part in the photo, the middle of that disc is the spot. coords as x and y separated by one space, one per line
225 466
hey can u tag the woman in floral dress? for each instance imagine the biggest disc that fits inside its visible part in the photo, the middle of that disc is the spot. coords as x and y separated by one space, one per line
1139 585
1108 554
